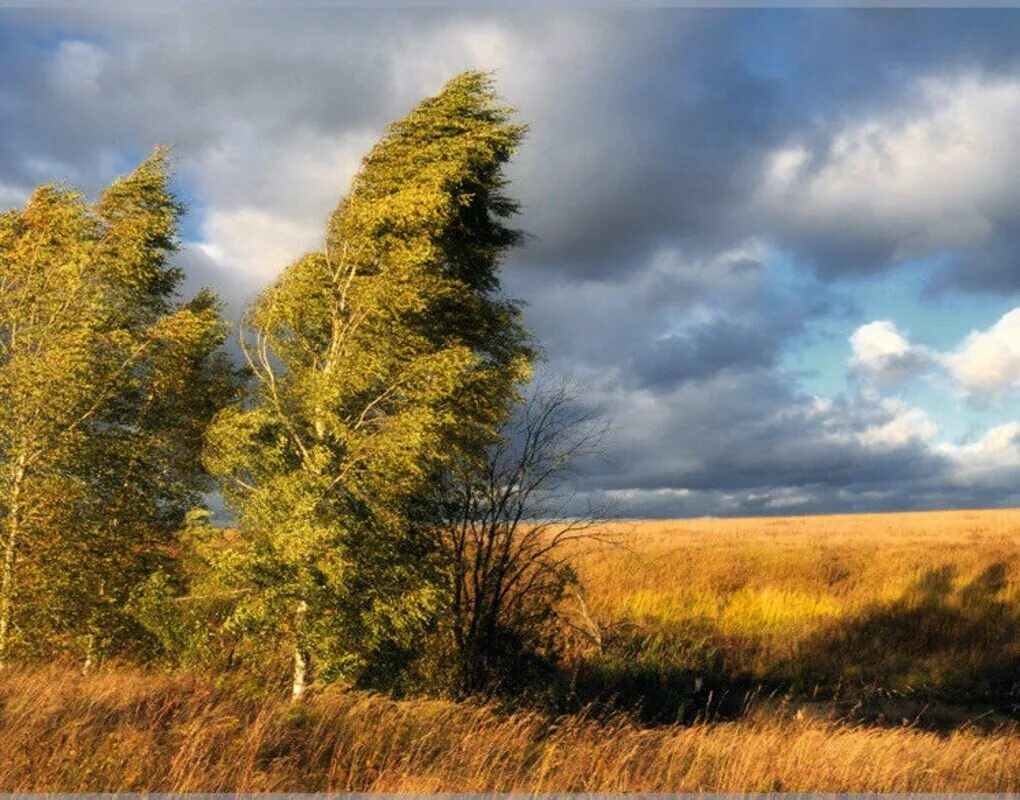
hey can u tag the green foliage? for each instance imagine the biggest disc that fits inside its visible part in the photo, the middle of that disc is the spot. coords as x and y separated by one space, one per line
186 627
376 363
106 386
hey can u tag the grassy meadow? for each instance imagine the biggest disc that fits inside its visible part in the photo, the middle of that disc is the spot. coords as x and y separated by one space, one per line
852 653
907 614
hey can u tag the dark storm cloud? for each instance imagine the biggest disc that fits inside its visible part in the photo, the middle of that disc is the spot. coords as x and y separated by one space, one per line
749 430
648 128
663 132
745 443
994 267
701 352
598 324
652 139
740 331
652 180
126 82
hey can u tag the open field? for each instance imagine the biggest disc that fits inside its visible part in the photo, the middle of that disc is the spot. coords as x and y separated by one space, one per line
864 653
897 609
130 731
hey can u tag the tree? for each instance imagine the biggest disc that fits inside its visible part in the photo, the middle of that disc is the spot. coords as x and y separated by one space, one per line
105 388
511 525
376 362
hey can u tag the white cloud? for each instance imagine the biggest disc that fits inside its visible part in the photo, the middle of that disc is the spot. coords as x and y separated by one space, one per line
987 364
422 63
268 207
254 243
904 425
992 459
883 353
302 175
999 445
934 176
877 343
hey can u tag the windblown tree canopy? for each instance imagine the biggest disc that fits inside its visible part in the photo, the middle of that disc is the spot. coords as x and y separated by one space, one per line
377 362
106 387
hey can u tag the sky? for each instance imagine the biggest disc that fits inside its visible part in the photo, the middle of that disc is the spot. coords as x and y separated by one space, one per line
779 249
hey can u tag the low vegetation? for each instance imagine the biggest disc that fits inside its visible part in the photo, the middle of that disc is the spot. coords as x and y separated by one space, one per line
131 731
865 653
904 614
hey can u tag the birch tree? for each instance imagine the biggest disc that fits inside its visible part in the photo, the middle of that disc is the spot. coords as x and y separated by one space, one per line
375 361
99 374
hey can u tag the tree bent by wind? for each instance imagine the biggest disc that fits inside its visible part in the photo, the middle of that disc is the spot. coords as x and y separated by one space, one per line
106 385
376 363
383 473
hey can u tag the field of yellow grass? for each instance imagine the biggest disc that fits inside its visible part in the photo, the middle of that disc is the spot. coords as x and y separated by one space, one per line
130 731
920 604
851 653
788 572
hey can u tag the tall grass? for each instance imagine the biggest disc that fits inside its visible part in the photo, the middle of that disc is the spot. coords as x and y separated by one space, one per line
128 731
917 615
925 603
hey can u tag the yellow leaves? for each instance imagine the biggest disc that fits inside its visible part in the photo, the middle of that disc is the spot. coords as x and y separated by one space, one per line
236 437
376 363
105 387
181 330
408 195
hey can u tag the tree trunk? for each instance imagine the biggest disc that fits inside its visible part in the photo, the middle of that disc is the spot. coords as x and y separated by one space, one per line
302 660
10 554
90 652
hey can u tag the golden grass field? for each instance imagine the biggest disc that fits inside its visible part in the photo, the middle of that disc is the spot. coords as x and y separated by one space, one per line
859 653
916 604
132 732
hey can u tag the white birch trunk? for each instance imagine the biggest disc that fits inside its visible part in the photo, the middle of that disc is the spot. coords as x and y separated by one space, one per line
90 650
301 658
10 554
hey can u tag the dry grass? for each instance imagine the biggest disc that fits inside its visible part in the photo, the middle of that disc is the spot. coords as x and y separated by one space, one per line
901 601
128 731
906 603
852 559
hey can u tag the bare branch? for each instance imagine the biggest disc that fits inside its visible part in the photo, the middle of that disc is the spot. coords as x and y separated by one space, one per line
513 523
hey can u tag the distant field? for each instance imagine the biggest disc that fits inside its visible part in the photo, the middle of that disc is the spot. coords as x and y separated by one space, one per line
840 654
918 605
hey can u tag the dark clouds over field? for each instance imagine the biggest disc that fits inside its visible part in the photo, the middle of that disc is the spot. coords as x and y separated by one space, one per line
714 197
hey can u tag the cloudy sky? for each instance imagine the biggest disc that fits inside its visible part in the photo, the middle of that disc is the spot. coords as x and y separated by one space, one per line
780 248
